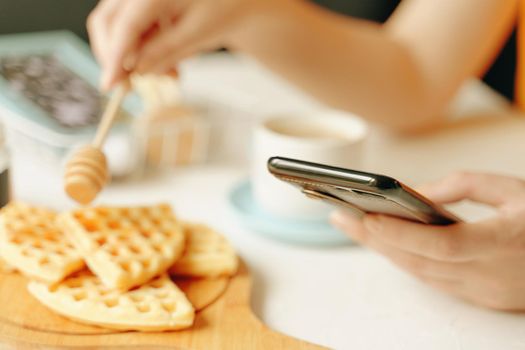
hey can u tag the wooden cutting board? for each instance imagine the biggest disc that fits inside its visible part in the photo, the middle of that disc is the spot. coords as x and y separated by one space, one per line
224 321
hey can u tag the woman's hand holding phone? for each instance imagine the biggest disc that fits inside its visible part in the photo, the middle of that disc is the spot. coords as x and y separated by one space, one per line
482 262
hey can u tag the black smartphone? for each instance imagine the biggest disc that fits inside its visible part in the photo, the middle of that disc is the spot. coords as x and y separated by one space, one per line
359 191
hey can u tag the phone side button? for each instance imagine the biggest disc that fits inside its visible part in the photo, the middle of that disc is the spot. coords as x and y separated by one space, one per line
333 201
312 194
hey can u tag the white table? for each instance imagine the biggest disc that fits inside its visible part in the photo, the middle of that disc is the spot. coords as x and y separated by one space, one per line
346 297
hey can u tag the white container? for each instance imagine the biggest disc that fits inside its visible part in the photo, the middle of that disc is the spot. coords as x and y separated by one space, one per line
324 136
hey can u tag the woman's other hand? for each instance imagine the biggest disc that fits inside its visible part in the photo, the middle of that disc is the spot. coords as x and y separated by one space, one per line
154 35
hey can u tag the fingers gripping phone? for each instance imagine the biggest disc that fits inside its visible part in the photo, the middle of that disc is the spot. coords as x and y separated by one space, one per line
359 191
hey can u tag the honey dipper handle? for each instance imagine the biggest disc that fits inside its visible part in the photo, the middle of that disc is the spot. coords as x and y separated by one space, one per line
109 114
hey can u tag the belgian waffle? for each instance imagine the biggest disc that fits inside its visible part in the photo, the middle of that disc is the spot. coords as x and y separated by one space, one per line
125 247
158 305
207 254
32 243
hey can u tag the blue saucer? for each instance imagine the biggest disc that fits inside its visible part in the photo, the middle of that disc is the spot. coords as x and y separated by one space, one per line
292 231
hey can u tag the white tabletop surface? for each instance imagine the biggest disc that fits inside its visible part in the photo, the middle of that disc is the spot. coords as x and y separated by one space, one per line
345 297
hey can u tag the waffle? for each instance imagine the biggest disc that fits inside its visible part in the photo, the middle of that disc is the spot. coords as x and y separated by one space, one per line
32 243
125 247
157 91
158 305
207 254
5 267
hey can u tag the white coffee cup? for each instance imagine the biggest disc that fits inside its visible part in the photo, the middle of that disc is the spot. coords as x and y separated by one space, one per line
325 136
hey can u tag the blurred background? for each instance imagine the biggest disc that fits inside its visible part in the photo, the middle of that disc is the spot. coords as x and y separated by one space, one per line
66 14
205 119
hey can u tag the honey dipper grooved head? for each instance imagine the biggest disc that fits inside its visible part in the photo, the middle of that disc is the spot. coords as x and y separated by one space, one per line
86 174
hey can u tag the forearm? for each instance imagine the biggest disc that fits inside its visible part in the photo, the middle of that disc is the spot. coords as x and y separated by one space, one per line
347 63
401 74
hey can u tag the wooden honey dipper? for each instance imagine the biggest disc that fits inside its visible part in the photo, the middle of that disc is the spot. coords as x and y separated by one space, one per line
87 170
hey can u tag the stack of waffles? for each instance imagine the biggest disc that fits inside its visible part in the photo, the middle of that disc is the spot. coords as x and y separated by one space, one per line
111 266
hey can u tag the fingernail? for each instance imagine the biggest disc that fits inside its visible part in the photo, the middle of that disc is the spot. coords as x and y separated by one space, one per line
337 219
344 223
104 83
372 223
129 63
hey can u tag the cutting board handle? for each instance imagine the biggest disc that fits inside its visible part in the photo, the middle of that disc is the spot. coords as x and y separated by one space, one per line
240 328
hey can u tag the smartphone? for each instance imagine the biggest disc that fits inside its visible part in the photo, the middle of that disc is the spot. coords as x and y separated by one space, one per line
359 191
